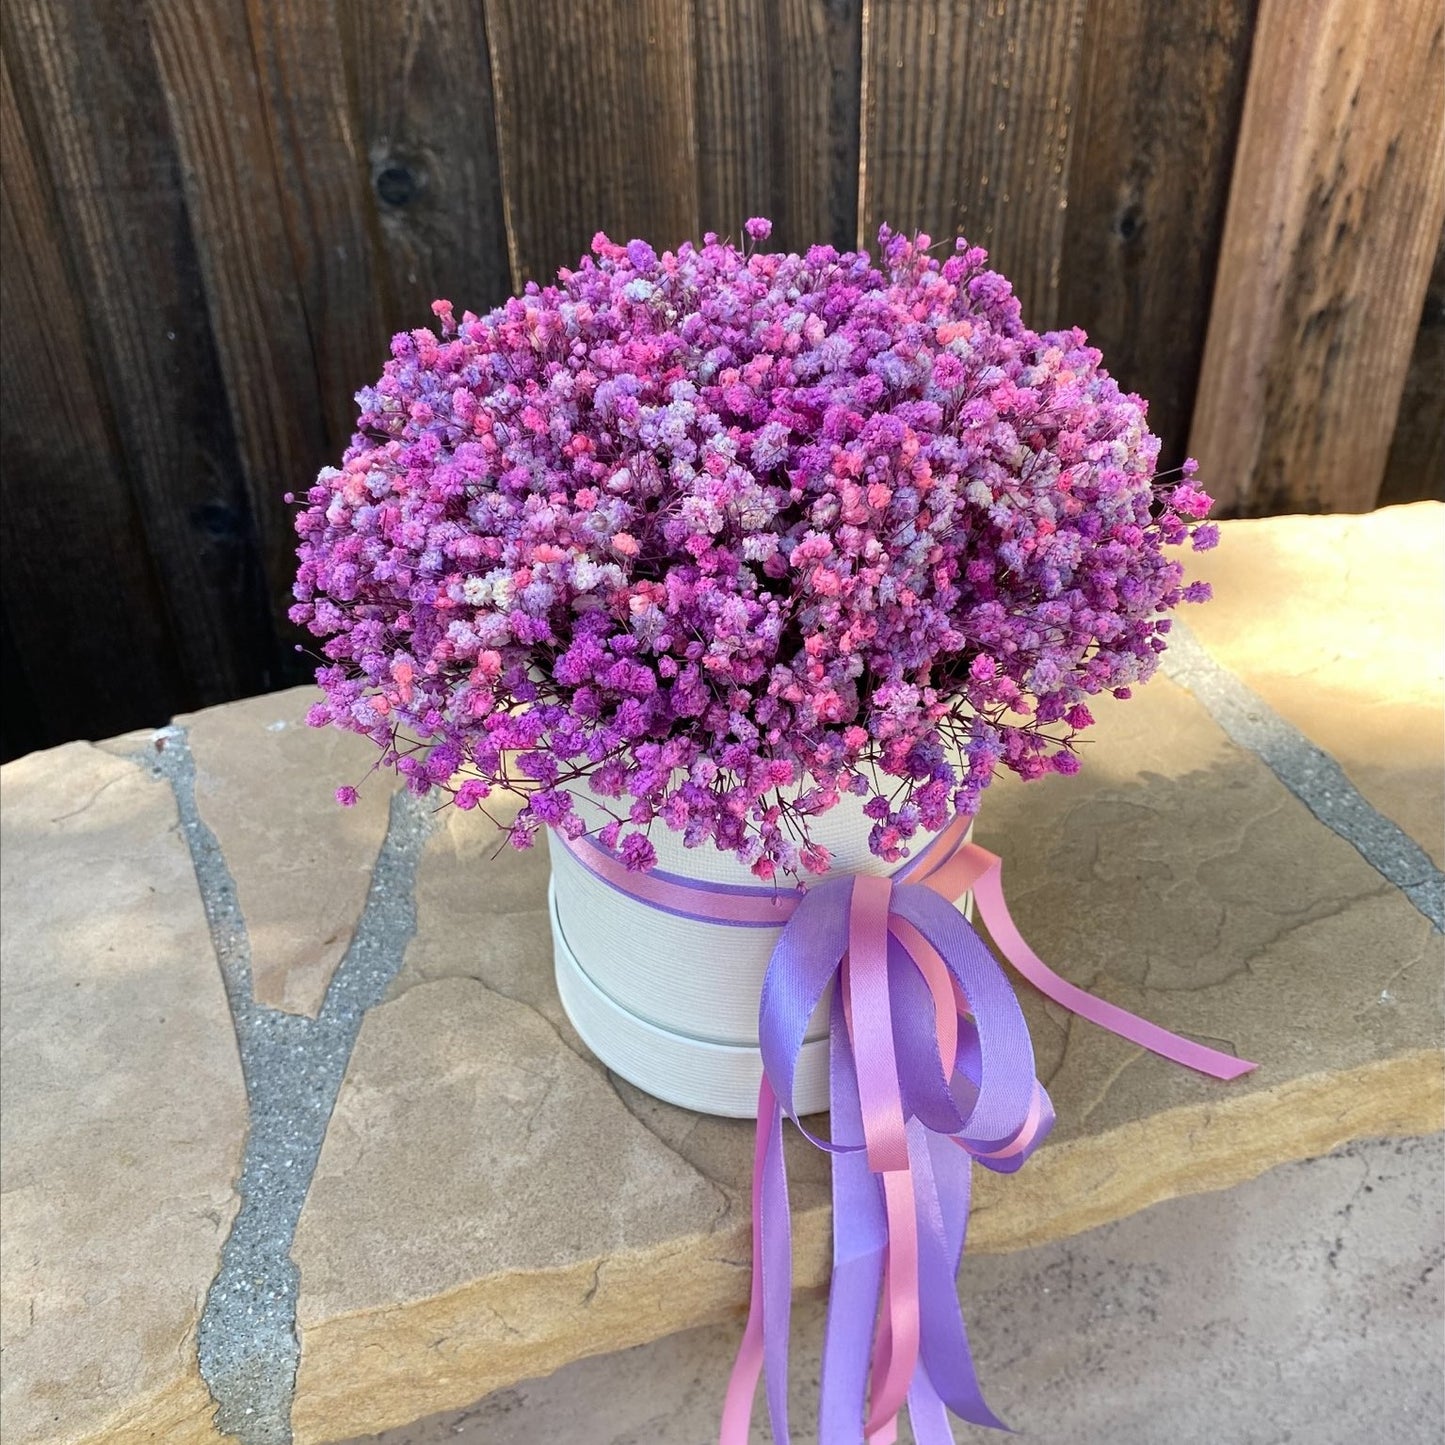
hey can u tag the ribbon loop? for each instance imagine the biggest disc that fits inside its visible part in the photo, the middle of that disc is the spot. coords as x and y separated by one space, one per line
869 1015
928 1048
930 1067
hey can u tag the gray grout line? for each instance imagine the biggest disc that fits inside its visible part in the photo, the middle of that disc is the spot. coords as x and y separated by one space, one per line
1311 774
293 1068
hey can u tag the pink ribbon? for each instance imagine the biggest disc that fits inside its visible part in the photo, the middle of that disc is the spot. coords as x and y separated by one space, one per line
930 1068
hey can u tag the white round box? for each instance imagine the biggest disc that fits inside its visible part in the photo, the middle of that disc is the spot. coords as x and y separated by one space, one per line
671 1004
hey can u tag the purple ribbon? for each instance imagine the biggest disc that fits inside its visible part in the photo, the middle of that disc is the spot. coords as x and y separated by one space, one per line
930 1068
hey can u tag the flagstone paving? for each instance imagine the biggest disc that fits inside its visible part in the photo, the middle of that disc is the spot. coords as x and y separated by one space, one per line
487 1203
124 1110
301 889
1338 623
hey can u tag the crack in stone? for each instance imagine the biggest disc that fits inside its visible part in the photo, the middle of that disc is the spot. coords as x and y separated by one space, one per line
75 812
1297 923
1399 973
1106 1087
293 1068
426 980
586 1057
1311 774
718 1184
596 1282
1343 1213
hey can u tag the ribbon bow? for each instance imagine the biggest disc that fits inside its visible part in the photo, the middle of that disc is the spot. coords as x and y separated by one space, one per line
930 1068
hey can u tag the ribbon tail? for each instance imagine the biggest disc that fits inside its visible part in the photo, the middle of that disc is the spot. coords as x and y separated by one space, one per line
943 1174
896 1357
777 1256
927 1413
868 1016
859 1238
988 894
765 1339
885 1430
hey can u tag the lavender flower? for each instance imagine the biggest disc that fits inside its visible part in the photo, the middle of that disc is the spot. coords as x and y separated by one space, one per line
730 534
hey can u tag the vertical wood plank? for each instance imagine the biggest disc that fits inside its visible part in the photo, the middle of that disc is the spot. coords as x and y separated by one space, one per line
95 113
967 108
1415 470
595 125
326 199
1334 213
25 716
257 307
777 117
422 83
845 119
736 115
1154 141
88 646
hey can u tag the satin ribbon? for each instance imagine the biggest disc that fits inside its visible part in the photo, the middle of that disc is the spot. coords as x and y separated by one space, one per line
930 1068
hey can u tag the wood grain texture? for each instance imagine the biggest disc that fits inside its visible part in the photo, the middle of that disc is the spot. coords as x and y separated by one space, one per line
422 86
95 115
967 109
1154 136
326 198
777 117
24 725
595 124
1415 469
215 212
74 574
254 295
1334 215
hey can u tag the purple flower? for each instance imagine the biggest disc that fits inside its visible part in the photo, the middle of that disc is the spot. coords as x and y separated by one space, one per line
471 792
727 534
638 855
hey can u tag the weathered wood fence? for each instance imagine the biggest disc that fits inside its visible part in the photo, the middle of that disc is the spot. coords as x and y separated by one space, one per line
215 213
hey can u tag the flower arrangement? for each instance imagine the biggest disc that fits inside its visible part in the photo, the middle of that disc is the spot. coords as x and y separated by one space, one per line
727 533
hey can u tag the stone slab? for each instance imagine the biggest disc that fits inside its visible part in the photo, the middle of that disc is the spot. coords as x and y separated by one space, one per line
1304 1305
1174 875
125 1110
1338 623
465 1119
482 914
265 785
490 1202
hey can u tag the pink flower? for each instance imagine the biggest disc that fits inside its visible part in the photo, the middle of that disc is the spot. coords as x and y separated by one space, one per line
724 530
638 855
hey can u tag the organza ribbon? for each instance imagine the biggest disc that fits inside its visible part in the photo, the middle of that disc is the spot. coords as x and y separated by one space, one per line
930 1068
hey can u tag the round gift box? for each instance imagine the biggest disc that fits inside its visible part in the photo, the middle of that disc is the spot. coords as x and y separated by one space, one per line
669 1003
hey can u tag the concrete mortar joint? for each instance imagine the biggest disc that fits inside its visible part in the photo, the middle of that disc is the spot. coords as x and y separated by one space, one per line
293 1068
1311 774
